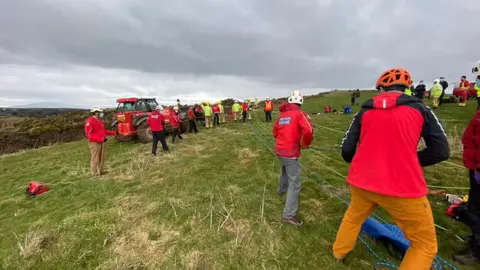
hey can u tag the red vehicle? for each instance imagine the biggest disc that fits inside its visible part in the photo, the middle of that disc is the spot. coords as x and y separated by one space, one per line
131 119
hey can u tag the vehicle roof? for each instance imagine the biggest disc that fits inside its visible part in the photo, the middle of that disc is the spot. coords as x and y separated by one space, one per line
132 99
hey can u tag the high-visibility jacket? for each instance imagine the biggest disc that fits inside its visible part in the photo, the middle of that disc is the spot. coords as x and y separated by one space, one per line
236 108
207 110
477 87
437 90
408 92
268 106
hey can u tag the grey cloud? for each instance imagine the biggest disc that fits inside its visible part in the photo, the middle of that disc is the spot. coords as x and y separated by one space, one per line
276 44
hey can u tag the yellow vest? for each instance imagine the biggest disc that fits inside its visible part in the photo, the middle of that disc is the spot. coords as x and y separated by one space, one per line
236 108
408 92
207 110
477 87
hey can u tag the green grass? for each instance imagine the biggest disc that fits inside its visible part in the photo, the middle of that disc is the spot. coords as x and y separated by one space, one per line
211 203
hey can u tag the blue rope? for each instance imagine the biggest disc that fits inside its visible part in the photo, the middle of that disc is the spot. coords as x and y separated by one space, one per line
437 264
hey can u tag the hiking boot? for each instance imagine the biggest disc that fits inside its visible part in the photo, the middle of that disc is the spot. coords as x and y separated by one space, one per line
293 221
468 259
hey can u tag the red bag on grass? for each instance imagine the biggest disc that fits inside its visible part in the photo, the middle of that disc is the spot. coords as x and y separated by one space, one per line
35 189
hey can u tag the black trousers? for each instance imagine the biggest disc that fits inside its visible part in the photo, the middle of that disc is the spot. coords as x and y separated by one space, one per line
268 116
474 211
176 133
192 126
440 100
216 119
244 116
158 136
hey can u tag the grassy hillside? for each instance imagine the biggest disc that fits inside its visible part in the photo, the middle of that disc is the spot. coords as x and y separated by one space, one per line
210 203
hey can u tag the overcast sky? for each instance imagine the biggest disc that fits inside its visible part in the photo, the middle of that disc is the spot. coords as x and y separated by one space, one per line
94 51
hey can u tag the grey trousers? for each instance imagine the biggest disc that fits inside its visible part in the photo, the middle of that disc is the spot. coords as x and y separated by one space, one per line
290 183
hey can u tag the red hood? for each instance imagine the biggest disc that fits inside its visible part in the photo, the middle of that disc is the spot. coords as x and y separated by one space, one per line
389 100
288 107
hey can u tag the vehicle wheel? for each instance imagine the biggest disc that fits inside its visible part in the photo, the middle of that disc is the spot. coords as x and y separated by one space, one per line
121 138
144 133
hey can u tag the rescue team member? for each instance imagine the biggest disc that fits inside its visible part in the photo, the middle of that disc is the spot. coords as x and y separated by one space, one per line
420 90
175 122
464 87
444 85
292 130
471 159
192 124
97 136
207 110
222 112
381 144
268 109
156 122
244 110
236 110
436 93
216 114
476 71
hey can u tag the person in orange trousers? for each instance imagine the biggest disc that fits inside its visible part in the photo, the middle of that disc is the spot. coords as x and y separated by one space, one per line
386 169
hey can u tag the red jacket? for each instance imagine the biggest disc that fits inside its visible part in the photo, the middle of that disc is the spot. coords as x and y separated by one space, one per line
215 108
293 129
174 119
156 121
95 130
268 106
387 130
471 143
464 84
191 114
244 107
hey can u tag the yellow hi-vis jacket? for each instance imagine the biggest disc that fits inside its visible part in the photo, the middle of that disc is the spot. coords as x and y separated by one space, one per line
207 110
408 92
437 90
236 108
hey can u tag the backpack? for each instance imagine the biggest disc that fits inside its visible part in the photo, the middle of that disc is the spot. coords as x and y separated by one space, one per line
347 109
35 189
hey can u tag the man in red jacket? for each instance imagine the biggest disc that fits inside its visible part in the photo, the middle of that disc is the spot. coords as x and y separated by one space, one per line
156 122
244 110
175 122
192 124
471 159
381 144
97 136
292 130
216 114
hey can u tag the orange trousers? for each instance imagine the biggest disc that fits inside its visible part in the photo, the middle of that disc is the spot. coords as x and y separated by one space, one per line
412 215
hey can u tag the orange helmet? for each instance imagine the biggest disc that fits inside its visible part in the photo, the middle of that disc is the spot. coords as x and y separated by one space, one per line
394 76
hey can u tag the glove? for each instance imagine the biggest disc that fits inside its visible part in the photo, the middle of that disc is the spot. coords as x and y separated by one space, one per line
477 177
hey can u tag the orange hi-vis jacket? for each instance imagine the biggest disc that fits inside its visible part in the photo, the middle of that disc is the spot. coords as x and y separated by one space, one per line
268 106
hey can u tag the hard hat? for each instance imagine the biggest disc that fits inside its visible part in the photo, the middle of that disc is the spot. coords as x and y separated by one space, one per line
175 108
208 103
296 97
268 98
219 102
394 76
436 81
476 69
96 109
159 108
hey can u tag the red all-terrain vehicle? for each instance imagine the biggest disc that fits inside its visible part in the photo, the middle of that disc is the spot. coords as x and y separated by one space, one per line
131 119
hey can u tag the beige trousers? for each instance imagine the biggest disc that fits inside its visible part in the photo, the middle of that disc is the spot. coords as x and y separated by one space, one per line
98 153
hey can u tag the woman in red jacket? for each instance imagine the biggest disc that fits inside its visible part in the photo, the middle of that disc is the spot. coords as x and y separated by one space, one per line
471 159
97 136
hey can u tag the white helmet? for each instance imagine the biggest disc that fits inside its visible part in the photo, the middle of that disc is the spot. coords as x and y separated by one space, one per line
159 108
476 69
296 97
175 108
268 98
436 81
96 108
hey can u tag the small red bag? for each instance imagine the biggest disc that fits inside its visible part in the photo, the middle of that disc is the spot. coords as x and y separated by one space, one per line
35 189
